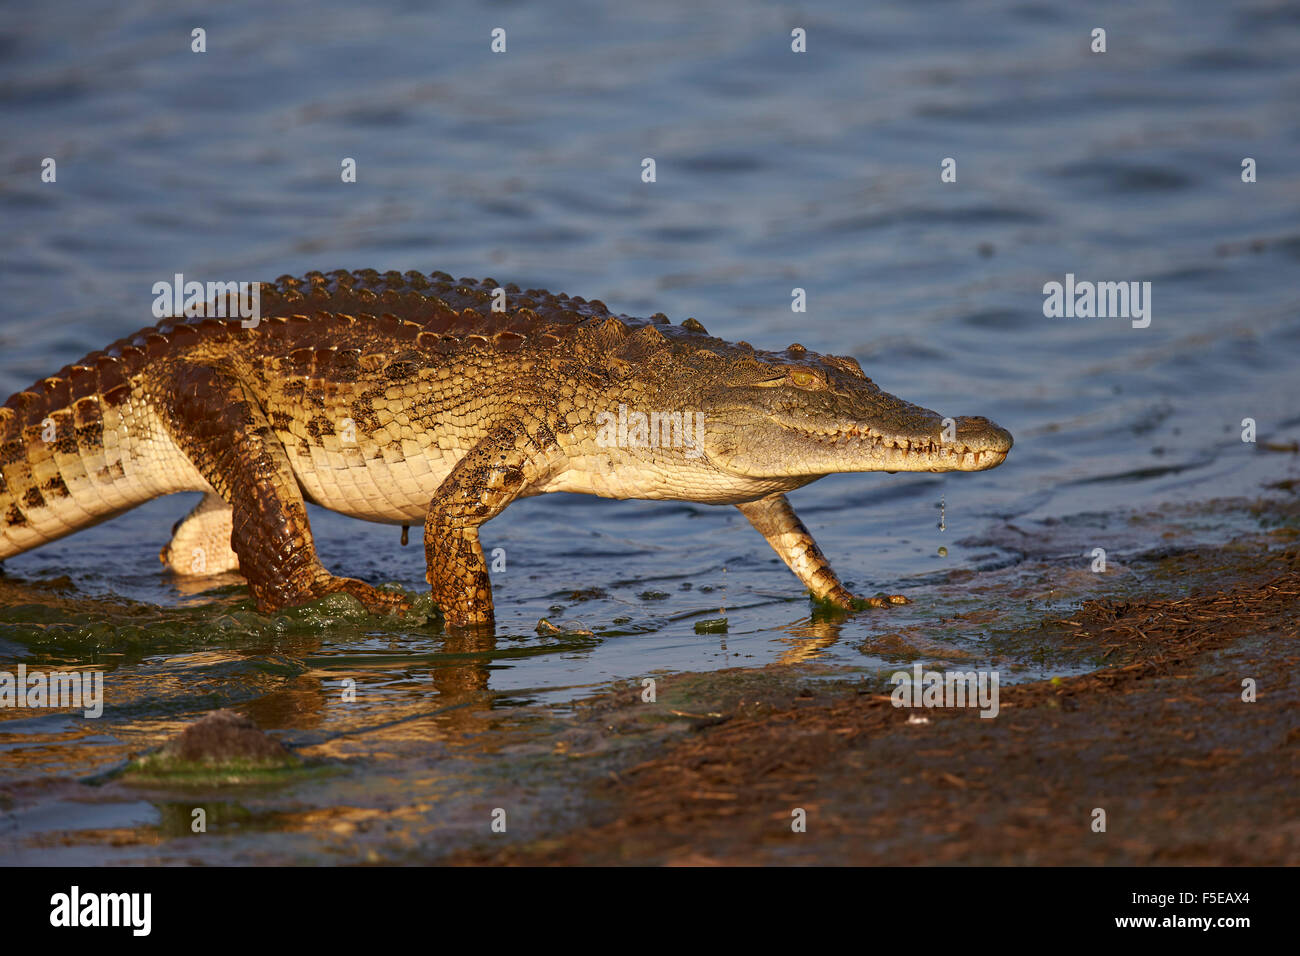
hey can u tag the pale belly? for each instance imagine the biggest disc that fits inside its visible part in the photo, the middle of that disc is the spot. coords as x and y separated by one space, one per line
661 478
398 491
390 492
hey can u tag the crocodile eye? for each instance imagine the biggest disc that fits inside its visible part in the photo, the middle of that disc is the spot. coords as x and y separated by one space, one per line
803 378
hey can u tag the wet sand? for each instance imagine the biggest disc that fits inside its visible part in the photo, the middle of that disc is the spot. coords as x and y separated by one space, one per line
1143 718
1186 772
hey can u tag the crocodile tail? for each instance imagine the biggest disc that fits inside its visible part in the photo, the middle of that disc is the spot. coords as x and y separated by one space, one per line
69 462
13 456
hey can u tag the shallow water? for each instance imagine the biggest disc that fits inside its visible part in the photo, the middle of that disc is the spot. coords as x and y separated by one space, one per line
774 171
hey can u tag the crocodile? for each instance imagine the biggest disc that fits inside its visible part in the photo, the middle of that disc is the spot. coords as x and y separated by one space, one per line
422 399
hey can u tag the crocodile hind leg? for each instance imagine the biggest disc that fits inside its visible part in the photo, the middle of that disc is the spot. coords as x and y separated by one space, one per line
776 521
200 544
220 425
492 475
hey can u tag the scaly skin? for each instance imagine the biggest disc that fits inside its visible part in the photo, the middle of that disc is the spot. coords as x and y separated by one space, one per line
406 399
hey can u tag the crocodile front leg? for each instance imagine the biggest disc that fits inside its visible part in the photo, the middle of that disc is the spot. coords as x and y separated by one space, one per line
220 425
492 475
776 521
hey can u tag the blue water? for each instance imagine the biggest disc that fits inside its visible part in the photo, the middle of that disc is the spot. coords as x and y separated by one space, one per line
775 170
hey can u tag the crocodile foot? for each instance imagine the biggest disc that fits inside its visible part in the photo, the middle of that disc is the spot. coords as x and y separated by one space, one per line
200 544
277 598
842 597
776 521
375 600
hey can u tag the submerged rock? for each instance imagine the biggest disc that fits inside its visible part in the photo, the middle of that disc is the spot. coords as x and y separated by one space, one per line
224 736
222 747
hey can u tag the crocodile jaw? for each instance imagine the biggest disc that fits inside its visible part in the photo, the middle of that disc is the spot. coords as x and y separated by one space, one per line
787 447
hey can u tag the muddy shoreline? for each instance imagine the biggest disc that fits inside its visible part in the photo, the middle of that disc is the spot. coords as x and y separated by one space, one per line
1186 771
1145 720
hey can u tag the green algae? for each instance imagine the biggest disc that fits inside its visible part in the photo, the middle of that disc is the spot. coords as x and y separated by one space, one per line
53 622
161 770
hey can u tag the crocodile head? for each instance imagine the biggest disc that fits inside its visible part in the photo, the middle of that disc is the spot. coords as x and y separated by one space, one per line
799 414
